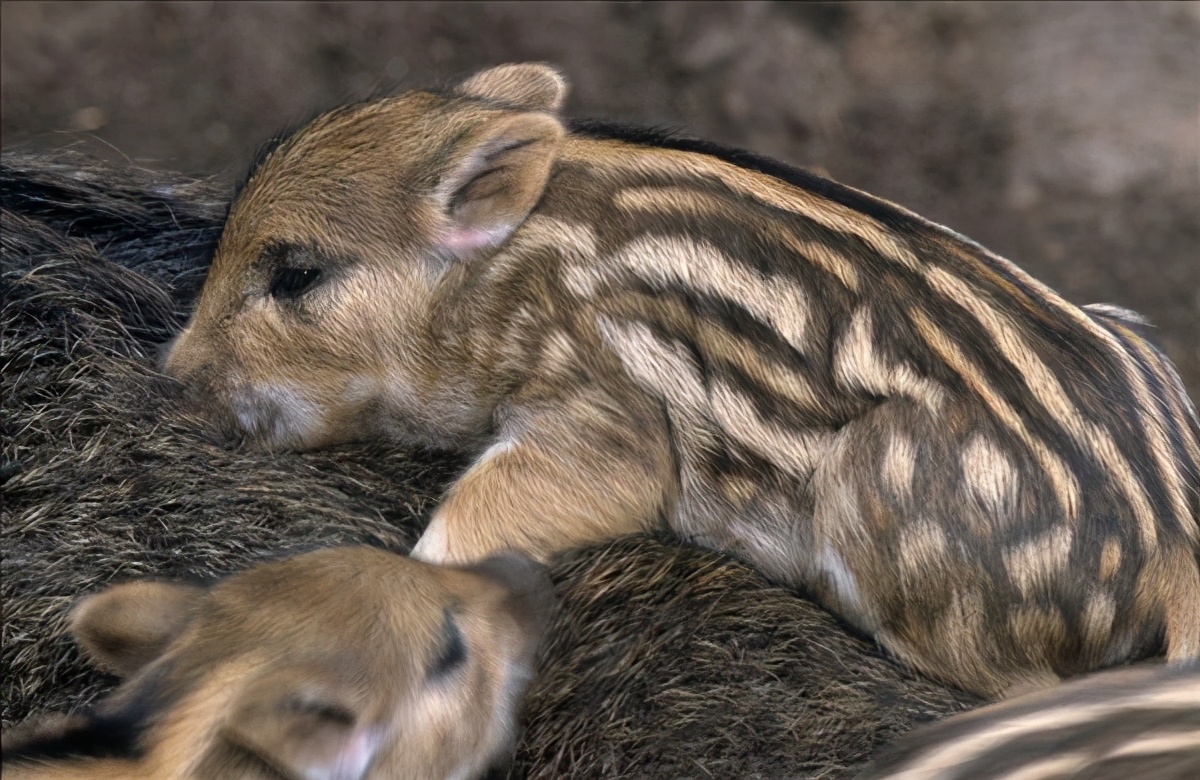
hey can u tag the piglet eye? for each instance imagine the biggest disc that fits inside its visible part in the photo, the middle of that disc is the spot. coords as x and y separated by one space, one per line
293 282
453 651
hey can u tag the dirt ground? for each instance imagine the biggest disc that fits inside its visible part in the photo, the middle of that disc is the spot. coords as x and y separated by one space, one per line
1065 136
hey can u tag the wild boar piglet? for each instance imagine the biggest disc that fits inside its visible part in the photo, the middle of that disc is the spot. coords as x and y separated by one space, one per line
344 664
628 328
1141 722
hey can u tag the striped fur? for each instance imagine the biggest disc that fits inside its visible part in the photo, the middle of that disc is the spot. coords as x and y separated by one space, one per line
630 328
1142 722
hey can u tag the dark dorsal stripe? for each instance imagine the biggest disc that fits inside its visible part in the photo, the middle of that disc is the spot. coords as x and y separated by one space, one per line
668 138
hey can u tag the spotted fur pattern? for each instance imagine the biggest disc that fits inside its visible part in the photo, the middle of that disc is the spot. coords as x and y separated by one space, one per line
630 328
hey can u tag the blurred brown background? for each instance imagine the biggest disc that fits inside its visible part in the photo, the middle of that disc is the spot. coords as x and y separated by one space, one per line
1065 136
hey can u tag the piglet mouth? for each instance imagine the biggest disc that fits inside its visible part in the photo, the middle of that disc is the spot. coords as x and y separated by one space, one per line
236 411
274 414
200 407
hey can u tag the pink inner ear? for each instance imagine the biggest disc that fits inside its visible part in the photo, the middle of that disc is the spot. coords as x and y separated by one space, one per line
461 241
351 761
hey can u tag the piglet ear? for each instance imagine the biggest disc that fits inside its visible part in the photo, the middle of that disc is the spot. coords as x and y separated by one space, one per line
307 722
531 598
125 627
529 85
496 180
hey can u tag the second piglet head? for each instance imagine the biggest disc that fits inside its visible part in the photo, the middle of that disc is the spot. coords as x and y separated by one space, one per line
324 315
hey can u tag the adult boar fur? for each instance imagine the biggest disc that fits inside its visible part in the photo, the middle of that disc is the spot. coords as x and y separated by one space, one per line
664 660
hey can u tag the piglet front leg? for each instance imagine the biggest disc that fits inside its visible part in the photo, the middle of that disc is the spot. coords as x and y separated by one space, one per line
561 474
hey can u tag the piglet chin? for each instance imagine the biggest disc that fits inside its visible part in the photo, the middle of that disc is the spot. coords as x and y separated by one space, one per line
278 415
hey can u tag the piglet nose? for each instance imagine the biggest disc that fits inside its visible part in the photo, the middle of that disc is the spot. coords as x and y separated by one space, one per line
184 358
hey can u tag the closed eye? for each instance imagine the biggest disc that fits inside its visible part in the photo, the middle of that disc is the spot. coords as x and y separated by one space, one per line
291 283
453 653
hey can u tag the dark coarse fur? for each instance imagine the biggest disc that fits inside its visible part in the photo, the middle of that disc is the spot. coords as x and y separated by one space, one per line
665 661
